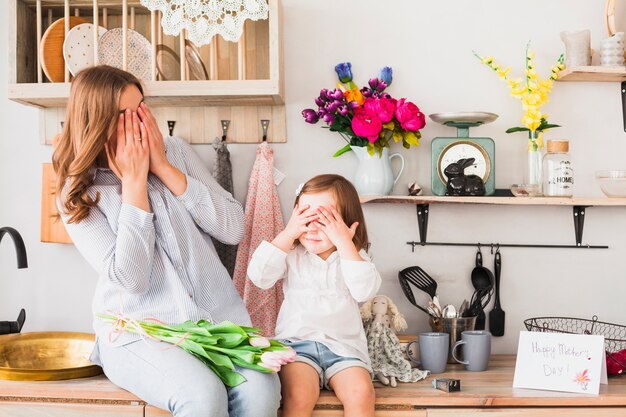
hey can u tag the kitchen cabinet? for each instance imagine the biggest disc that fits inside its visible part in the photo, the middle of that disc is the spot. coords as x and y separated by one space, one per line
483 394
244 79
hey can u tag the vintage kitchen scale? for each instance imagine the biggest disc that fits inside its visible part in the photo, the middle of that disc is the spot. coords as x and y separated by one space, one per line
446 150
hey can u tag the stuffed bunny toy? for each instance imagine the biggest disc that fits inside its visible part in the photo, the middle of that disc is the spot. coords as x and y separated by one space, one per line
382 319
460 184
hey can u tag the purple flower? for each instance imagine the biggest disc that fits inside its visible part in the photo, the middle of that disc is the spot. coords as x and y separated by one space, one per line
310 116
353 105
386 75
332 107
377 84
329 118
320 102
367 92
343 109
336 94
344 72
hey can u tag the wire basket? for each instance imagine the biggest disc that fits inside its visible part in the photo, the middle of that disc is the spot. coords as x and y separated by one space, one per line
614 334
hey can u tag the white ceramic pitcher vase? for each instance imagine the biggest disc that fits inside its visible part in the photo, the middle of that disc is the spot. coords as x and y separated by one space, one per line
373 174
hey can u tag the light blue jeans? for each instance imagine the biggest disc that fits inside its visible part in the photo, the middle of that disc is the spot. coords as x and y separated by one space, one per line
174 380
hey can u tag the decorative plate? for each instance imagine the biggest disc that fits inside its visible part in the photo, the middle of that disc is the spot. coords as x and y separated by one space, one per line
78 47
464 117
139 59
167 63
52 61
194 62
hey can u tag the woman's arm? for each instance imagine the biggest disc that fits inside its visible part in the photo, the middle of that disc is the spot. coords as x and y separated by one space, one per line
267 265
126 258
213 209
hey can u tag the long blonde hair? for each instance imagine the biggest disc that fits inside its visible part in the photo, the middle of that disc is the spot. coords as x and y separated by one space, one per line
90 120
397 319
348 203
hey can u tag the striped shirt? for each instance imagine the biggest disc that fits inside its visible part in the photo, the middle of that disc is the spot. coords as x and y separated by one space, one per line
162 264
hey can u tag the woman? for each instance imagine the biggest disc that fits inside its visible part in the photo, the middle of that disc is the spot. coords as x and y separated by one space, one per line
141 210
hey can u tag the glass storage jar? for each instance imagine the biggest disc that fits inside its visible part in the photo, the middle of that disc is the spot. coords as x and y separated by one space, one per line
558 175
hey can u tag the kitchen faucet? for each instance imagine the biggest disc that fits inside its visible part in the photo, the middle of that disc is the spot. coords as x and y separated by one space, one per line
22 262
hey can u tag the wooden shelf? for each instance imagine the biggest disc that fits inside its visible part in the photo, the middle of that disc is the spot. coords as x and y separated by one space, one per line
593 74
165 93
517 201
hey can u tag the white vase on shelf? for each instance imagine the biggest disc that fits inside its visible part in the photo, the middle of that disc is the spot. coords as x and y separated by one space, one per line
373 174
612 51
577 47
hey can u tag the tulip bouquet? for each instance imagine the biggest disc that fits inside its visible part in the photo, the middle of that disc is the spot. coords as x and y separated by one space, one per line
533 92
367 117
219 346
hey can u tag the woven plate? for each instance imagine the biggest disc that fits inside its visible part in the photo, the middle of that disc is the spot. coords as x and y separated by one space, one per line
52 61
78 47
110 52
194 61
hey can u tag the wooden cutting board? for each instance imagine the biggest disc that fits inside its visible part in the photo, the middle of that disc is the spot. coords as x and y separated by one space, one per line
52 228
52 61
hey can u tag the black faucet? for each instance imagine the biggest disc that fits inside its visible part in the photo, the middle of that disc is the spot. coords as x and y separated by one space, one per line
22 262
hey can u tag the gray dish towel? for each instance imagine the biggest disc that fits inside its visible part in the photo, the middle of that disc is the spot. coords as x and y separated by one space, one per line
223 174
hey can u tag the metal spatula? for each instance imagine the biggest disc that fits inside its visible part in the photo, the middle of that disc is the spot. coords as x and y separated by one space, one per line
418 277
408 292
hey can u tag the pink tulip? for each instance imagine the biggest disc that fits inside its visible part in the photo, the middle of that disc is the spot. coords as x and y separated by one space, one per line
259 341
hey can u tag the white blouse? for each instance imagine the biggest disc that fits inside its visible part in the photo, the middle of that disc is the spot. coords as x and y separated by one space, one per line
321 296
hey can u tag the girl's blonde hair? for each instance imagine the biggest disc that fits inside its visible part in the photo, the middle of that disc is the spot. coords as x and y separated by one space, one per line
348 203
397 319
90 120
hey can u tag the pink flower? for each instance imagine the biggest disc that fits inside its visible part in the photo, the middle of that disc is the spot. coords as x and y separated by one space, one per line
259 342
409 116
383 107
277 358
366 124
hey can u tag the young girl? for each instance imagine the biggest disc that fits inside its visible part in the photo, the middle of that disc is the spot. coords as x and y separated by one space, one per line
327 272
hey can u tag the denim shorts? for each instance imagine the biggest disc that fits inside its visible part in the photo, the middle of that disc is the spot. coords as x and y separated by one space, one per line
323 360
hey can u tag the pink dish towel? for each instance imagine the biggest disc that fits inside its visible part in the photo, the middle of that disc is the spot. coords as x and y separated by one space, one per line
264 220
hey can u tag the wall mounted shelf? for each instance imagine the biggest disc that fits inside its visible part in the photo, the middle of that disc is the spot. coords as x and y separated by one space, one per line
578 205
593 74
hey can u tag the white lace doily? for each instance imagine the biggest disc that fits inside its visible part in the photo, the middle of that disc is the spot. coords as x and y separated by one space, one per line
205 18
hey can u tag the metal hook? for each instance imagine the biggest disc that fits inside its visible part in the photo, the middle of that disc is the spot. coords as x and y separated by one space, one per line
62 124
170 126
497 248
491 249
265 123
225 124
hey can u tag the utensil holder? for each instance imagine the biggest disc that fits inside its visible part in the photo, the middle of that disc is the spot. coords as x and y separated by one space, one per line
454 327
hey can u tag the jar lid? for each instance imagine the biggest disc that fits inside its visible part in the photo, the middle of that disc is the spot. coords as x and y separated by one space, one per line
558 146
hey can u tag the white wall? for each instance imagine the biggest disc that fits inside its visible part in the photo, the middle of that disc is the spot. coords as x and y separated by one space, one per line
428 43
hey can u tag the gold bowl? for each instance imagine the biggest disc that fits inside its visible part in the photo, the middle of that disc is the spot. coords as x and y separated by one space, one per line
46 356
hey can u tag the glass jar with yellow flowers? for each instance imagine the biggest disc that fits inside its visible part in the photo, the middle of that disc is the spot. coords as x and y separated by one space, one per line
532 91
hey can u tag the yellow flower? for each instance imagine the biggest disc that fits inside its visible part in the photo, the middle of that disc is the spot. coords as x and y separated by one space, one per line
502 73
530 54
354 95
487 60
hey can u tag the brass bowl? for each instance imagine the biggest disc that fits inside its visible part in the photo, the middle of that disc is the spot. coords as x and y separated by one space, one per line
46 356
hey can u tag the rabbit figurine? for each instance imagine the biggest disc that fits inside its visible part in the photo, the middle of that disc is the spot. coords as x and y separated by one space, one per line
460 184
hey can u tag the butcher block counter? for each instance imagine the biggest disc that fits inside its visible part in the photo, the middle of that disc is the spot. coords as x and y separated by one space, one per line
484 394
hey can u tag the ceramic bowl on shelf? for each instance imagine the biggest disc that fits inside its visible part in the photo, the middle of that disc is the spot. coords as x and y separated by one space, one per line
612 183
526 190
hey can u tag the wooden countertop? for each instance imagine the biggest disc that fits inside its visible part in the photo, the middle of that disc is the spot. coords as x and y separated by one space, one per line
492 388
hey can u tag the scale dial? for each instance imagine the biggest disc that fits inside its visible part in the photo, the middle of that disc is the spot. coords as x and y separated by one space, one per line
465 149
